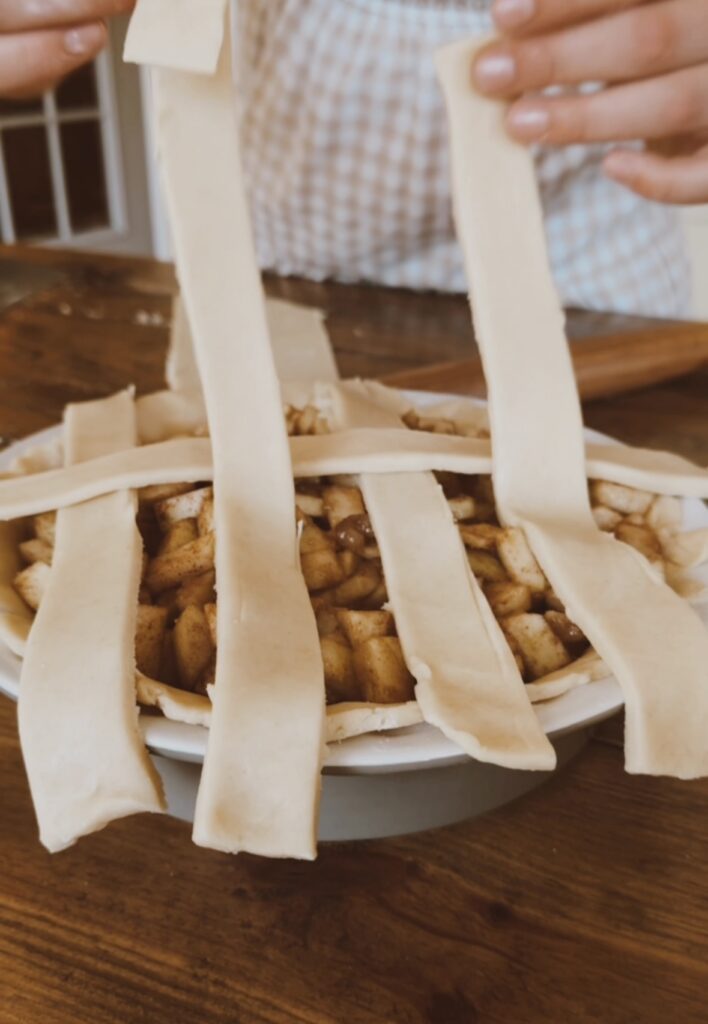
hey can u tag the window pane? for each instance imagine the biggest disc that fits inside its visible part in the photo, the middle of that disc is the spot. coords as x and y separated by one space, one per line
78 91
8 108
85 175
29 182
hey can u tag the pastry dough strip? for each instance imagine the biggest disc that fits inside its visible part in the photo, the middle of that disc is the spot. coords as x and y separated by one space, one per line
300 343
181 372
260 783
83 751
363 450
653 641
467 681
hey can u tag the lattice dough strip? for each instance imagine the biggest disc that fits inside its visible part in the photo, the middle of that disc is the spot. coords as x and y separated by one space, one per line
260 783
361 450
163 33
84 755
467 682
300 343
652 640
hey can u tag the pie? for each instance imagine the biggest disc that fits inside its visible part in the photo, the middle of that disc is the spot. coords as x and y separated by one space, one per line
296 575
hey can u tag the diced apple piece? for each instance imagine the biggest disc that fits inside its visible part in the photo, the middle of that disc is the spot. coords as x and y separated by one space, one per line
642 539
169 570
44 526
184 531
313 539
149 639
198 590
183 505
463 506
340 679
361 626
382 672
508 598
359 586
486 566
327 621
341 502
205 519
518 560
193 646
36 550
541 650
310 504
321 569
210 616
606 518
619 497
376 599
349 562
31 583
480 536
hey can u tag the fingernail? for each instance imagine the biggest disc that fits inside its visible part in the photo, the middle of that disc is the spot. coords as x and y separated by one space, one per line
85 39
513 13
495 71
529 123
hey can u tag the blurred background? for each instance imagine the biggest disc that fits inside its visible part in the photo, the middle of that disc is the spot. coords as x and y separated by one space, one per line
76 170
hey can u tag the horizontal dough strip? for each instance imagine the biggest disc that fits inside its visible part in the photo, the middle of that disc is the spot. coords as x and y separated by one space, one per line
364 450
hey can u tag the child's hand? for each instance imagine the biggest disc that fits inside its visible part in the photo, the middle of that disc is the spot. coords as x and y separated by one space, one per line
654 57
41 41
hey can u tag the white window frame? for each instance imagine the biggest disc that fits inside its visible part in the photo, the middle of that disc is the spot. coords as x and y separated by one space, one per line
104 114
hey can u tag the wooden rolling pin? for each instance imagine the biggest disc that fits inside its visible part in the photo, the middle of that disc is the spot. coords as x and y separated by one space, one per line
605 364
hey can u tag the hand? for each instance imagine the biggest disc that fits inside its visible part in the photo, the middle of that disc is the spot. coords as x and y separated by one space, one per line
653 57
41 41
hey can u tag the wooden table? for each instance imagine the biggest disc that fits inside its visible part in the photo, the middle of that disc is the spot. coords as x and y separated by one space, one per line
585 901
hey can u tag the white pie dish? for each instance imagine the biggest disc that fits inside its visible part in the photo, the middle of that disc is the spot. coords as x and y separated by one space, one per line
462 787
405 749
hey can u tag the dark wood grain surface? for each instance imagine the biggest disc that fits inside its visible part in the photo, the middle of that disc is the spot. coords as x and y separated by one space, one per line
586 901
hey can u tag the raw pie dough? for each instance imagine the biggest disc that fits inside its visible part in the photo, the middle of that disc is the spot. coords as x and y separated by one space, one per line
651 639
467 681
260 782
83 751
367 449
268 726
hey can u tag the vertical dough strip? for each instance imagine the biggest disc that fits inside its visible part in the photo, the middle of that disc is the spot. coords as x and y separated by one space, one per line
301 347
83 751
652 640
260 783
181 369
468 683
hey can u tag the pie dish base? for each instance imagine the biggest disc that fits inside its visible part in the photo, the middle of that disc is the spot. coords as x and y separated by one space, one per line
381 784
367 806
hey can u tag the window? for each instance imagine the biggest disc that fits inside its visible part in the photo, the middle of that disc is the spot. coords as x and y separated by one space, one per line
61 176
73 168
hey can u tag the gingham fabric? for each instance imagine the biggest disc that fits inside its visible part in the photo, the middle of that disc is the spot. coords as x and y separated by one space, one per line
344 138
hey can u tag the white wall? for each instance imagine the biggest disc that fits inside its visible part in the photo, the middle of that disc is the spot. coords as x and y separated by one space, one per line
696 223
